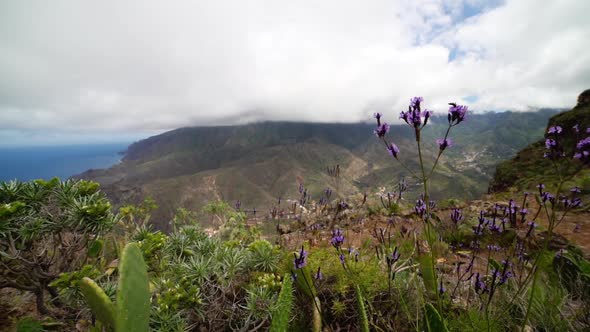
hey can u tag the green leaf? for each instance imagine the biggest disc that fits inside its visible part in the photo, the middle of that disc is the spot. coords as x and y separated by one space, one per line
98 301
95 248
434 321
428 275
494 264
133 295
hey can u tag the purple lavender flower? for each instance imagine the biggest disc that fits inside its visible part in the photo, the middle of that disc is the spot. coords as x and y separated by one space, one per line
441 288
493 247
392 149
456 114
559 253
456 216
413 117
342 205
420 207
378 116
238 204
479 284
341 256
415 102
381 130
444 143
577 228
555 130
575 190
532 226
506 274
546 196
478 230
394 257
576 203
300 259
583 153
432 205
550 143
337 238
293 276
318 275
301 188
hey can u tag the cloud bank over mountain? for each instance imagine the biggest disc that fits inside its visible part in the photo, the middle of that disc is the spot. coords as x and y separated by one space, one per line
139 66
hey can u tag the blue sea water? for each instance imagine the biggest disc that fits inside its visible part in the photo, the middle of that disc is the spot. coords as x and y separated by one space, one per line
45 162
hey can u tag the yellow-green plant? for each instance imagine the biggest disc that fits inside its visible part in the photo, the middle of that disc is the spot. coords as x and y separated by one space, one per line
282 313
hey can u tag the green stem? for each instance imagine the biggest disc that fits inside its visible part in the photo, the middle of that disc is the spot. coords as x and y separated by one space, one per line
551 222
427 218
439 154
314 297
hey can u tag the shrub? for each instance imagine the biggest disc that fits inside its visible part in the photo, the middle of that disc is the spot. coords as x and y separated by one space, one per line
46 229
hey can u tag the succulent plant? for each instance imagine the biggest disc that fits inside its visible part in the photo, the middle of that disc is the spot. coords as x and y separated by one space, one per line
131 312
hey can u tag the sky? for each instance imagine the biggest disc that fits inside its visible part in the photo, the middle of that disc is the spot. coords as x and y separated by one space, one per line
110 70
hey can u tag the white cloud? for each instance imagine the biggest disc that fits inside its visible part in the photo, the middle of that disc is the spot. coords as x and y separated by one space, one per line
133 66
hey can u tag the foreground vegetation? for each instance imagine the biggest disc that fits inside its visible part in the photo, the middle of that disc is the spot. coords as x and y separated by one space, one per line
385 263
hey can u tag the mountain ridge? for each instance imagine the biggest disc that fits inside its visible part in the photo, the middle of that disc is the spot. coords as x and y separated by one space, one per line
257 163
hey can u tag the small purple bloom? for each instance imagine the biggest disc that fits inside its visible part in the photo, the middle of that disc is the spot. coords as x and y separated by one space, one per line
577 228
555 130
532 226
392 149
420 207
559 253
415 102
583 153
575 190
456 114
394 257
550 143
576 128
441 288
378 116
318 275
337 238
238 204
382 130
456 216
413 117
300 259
480 286
444 143
341 258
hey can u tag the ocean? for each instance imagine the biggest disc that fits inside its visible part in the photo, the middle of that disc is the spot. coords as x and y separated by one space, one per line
45 162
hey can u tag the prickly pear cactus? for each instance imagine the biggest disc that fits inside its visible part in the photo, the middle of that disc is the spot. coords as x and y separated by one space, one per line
98 301
131 313
133 295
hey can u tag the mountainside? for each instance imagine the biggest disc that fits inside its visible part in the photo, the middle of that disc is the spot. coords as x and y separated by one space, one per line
528 168
257 163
